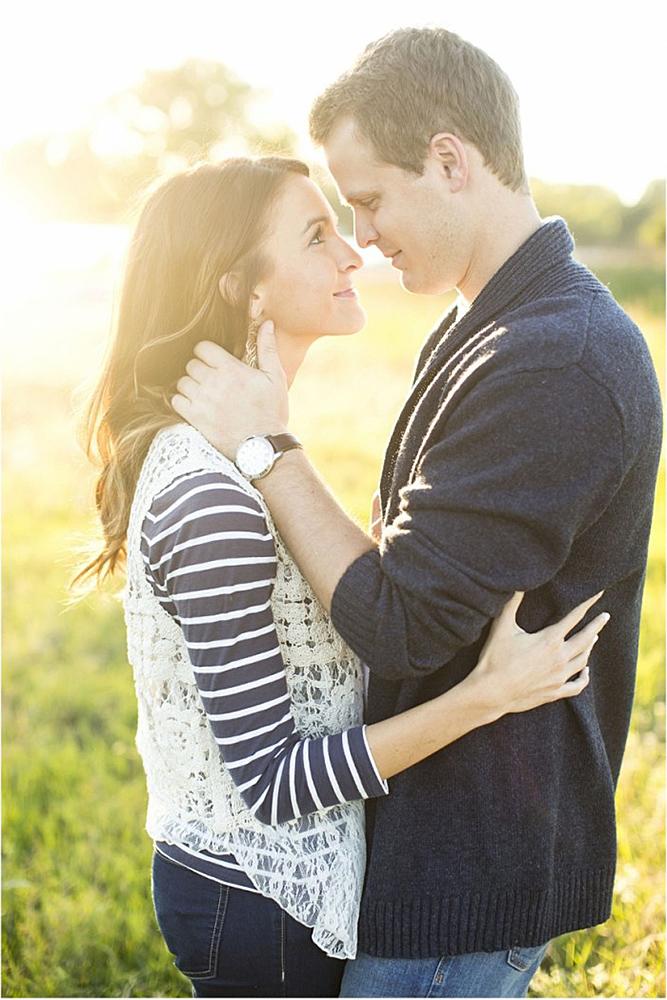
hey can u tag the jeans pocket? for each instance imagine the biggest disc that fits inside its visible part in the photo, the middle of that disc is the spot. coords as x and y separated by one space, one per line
190 912
522 959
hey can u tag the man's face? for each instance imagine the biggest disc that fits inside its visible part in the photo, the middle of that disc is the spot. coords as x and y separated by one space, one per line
415 220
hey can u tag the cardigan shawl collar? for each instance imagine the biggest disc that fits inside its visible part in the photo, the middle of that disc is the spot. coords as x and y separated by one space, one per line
533 269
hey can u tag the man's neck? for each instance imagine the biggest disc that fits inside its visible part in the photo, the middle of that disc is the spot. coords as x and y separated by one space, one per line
511 222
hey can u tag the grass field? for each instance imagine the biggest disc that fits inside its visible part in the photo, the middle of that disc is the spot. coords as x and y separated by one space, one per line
77 917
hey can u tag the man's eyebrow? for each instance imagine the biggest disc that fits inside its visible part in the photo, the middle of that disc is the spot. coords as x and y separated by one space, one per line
320 218
357 196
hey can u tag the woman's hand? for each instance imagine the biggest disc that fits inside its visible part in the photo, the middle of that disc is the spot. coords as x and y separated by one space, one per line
516 671
520 670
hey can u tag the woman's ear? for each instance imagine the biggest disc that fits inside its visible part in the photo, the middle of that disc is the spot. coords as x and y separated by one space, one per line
230 287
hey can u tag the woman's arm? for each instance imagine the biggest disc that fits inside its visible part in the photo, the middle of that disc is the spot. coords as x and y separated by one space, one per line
516 671
211 561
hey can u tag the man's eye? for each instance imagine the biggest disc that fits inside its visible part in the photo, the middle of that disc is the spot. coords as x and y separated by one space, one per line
317 238
370 205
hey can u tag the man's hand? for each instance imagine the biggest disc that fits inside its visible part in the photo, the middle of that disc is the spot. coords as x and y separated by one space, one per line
227 401
375 528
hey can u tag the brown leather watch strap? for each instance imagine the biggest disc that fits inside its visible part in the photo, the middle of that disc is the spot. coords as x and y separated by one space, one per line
283 442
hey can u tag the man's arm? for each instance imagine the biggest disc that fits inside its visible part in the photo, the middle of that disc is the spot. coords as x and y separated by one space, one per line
505 484
228 401
321 537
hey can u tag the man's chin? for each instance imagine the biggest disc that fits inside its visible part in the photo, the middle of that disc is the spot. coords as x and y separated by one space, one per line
414 283
423 285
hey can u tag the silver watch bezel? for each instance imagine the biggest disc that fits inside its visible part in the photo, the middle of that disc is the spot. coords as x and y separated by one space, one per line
265 471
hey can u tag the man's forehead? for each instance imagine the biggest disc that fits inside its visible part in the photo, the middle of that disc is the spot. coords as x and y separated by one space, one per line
347 145
352 162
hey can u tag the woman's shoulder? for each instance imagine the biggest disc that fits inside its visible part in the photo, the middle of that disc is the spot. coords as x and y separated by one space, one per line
204 492
182 442
181 461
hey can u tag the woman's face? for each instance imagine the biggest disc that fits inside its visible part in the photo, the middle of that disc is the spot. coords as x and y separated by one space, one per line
308 292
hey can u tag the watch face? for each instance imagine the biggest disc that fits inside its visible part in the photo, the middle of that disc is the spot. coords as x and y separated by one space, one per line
255 457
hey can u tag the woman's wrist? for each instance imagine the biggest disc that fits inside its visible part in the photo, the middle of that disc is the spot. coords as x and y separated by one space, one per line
481 695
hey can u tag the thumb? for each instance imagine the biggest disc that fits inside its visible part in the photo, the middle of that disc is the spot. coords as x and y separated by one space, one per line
267 350
507 617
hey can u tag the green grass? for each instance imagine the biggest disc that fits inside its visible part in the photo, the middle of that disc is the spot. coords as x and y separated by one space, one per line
77 912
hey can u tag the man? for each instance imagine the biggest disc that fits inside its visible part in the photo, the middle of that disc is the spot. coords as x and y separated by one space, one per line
524 459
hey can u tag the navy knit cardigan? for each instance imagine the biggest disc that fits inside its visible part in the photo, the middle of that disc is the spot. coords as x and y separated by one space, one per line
525 459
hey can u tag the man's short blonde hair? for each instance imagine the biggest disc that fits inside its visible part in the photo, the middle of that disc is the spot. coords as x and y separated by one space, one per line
413 83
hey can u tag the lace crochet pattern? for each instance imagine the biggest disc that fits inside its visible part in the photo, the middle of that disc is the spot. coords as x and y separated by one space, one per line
313 867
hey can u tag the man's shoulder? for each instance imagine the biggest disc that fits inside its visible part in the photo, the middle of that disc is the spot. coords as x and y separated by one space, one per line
582 332
585 327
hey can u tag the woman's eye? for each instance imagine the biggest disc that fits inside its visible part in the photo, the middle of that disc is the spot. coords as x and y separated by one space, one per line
317 238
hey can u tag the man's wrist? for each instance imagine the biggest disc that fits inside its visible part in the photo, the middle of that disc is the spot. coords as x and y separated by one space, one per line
290 464
257 454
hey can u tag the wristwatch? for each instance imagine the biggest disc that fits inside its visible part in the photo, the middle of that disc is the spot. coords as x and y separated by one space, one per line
256 456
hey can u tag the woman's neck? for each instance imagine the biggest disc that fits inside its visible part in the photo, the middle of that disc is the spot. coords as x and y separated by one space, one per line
291 351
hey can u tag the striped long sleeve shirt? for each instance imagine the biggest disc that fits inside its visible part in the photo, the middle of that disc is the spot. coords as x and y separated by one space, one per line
211 561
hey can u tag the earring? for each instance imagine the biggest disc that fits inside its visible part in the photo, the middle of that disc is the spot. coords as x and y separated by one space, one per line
250 355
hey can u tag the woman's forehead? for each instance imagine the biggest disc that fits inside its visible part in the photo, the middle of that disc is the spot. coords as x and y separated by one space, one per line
300 200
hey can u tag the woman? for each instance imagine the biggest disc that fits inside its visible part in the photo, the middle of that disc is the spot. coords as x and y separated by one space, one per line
249 703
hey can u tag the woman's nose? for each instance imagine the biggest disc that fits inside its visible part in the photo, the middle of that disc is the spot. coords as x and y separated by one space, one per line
350 259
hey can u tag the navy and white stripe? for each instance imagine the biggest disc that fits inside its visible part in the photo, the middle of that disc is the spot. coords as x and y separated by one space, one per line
216 867
211 561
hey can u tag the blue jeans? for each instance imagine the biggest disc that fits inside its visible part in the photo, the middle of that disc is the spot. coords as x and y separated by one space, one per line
479 974
233 943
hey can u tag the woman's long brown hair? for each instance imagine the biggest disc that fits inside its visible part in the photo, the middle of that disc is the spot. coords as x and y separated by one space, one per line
194 228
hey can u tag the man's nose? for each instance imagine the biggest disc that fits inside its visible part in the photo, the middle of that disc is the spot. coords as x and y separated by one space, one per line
364 233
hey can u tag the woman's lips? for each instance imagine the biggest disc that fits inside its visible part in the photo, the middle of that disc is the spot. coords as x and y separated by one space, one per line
348 293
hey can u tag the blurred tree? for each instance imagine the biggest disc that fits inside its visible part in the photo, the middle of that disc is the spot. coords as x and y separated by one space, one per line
647 217
594 214
200 110
598 217
171 119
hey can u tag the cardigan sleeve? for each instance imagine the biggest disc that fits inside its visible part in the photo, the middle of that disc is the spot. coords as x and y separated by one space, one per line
211 561
504 486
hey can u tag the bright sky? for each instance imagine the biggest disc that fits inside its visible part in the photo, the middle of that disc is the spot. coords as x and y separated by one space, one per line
589 73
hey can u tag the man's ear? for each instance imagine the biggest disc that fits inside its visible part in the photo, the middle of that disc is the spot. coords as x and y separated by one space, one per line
450 153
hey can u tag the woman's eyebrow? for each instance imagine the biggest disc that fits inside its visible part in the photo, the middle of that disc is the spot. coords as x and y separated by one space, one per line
320 218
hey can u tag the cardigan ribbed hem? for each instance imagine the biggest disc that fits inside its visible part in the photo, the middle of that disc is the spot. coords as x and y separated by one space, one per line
427 927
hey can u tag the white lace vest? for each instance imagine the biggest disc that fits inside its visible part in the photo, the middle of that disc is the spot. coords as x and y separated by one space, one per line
313 867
